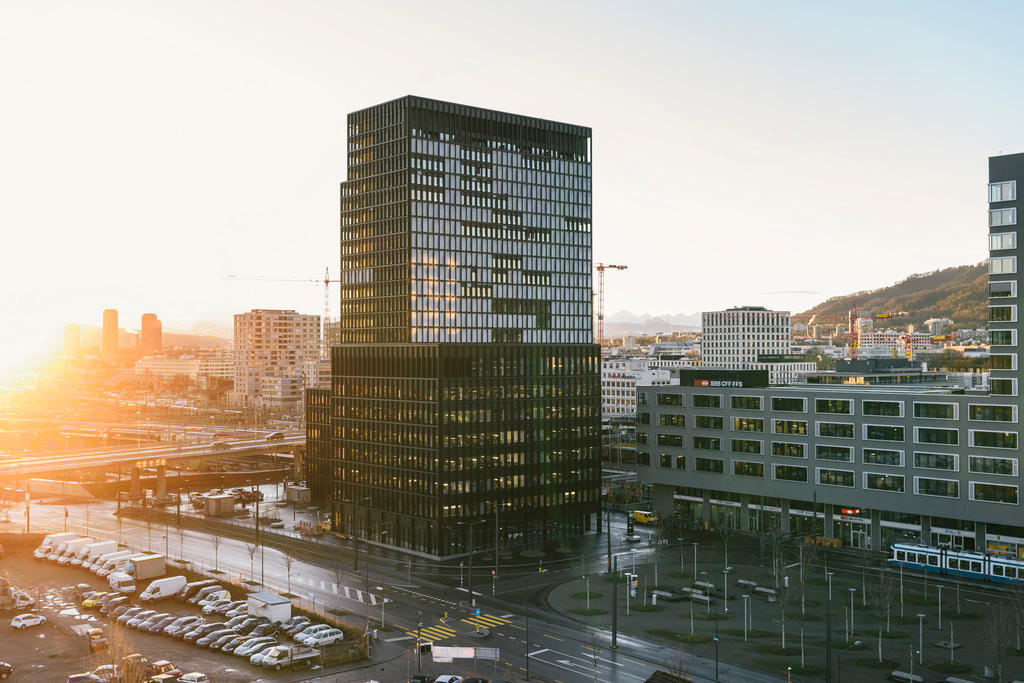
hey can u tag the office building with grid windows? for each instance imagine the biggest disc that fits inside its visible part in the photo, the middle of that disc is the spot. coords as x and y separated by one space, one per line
466 384
874 452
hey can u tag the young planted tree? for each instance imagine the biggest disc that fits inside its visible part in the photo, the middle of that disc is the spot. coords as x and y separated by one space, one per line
998 623
807 556
216 552
288 561
782 588
725 531
882 593
251 549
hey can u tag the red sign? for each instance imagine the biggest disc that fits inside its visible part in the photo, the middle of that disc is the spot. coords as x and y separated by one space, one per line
851 511
701 383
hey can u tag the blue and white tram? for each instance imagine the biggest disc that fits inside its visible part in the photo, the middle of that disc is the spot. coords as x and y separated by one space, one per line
958 562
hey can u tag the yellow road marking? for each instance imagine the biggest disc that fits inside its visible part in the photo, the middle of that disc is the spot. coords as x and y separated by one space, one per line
553 638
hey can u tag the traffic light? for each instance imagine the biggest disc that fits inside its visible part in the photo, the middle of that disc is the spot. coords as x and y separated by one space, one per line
629 525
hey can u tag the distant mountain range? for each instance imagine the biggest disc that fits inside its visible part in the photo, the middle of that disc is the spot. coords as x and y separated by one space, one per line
625 322
959 293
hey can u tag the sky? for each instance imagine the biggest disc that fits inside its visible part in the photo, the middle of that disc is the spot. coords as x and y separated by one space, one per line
758 153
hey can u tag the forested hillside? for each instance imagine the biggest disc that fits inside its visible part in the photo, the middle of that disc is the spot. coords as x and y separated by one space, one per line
958 293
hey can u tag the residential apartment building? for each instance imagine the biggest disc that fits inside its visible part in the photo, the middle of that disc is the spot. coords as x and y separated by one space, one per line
466 384
751 338
877 451
273 344
619 380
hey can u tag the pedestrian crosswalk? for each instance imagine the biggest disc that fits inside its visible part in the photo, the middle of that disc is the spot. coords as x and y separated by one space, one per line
444 631
485 621
434 633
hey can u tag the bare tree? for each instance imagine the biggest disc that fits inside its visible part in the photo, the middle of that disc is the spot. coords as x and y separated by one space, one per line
216 552
782 592
252 548
807 555
882 593
997 629
288 560
725 531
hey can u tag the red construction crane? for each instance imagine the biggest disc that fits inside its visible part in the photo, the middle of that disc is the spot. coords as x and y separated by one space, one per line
601 267
326 281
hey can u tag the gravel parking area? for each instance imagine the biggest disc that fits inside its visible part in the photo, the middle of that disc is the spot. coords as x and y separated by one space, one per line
53 650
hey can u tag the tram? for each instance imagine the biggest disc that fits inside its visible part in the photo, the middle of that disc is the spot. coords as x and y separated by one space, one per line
958 562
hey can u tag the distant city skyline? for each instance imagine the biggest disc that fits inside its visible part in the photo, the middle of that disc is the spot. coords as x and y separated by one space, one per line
771 154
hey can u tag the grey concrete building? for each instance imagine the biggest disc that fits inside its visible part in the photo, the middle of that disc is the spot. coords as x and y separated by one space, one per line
874 452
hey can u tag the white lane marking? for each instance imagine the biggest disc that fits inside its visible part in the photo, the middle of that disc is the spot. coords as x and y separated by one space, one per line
538 652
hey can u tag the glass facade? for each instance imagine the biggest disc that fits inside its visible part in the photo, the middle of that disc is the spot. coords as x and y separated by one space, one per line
467 384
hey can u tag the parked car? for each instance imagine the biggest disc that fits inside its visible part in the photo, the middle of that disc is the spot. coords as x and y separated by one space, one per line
322 638
114 604
265 629
235 621
119 610
136 664
105 600
23 621
128 614
108 673
158 625
253 645
309 631
448 678
152 619
5 669
194 677
294 621
91 601
230 646
203 592
241 610
209 638
212 607
179 626
137 620
223 640
258 656
162 666
84 678
202 631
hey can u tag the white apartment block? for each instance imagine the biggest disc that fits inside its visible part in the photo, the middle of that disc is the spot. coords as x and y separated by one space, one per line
619 380
219 365
751 338
273 344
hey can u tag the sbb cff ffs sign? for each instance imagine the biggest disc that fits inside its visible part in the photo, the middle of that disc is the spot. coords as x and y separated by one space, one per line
736 383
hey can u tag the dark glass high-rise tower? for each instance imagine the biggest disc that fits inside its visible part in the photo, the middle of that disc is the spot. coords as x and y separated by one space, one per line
467 385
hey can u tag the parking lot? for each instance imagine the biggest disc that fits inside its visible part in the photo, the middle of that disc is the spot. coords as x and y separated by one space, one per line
51 651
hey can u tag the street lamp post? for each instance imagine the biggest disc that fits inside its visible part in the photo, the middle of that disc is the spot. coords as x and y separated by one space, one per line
380 590
828 631
725 587
695 560
746 607
587 579
920 638
940 607
839 660
470 525
852 591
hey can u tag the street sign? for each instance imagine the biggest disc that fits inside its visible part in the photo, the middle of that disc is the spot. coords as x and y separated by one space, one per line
478 611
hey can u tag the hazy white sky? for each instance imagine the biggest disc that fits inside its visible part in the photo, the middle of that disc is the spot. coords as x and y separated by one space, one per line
745 152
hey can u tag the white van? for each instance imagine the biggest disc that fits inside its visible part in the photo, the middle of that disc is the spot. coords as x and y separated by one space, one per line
163 588
96 563
114 564
121 582
50 542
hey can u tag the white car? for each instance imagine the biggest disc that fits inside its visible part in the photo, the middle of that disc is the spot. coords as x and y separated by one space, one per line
26 620
448 678
210 608
309 631
328 637
108 673
194 677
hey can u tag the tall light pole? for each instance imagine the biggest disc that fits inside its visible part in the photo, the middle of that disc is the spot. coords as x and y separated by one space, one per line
852 591
828 630
920 638
470 525
839 663
695 560
746 608
940 607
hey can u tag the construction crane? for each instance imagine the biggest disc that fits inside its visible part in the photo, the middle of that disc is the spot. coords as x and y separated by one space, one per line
326 281
601 267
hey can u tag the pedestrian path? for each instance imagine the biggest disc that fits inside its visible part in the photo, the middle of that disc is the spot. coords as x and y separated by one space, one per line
347 591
